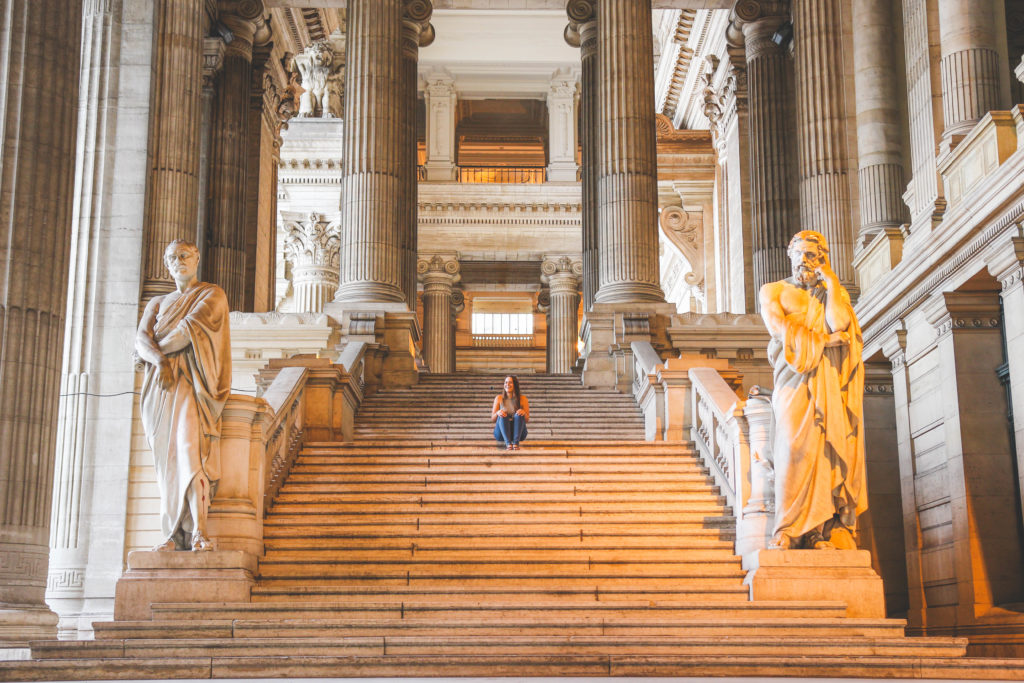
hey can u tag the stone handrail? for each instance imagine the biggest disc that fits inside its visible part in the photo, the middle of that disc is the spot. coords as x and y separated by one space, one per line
733 438
305 399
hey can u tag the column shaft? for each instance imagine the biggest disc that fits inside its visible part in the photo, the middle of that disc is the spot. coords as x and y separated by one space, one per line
412 29
821 130
627 166
371 184
970 63
773 204
226 233
172 194
213 60
40 46
438 274
879 138
923 195
589 153
563 324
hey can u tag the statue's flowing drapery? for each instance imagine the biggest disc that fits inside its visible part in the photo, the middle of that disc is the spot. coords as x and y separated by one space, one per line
818 405
182 423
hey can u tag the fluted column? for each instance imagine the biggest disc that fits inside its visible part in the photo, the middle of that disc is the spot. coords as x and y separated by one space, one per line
438 274
312 247
821 130
172 194
582 32
879 146
769 83
372 182
40 43
213 60
562 275
627 214
970 64
225 249
416 31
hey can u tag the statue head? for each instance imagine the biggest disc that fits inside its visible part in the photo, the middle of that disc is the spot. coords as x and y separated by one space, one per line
808 251
182 260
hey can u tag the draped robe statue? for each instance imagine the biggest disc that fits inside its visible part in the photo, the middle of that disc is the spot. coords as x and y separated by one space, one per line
818 445
185 349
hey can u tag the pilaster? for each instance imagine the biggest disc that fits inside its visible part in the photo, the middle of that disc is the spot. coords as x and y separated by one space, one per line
562 128
981 482
441 100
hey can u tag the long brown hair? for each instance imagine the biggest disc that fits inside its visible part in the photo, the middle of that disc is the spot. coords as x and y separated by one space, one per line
515 387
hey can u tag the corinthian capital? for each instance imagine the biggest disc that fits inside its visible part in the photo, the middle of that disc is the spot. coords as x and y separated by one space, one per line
313 241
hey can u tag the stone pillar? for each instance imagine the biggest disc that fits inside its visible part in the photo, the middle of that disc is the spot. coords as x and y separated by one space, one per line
441 100
458 306
172 194
312 247
40 45
971 66
562 128
582 33
416 31
821 130
627 175
979 473
562 275
879 134
372 192
1006 262
769 84
225 248
438 274
213 60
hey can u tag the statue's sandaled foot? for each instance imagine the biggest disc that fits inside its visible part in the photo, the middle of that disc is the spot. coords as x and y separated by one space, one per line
165 547
780 542
201 543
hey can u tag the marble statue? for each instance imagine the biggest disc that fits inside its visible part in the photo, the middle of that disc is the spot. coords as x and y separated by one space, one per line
184 348
315 66
818 444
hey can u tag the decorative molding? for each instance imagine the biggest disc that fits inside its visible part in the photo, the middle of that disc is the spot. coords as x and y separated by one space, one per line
684 56
67 579
314 242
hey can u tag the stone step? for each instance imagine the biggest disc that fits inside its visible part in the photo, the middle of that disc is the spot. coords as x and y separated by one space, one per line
477 556
479 573
404 662
452 595
276 527
496 519
482 446
519 610
447 506
493 543
409 484
602 584
778 646
819 627
463 495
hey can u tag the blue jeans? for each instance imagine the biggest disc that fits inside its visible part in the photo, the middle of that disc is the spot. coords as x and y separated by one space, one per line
511 429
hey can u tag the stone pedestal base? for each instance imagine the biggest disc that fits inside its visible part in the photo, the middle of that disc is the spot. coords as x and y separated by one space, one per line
19 625
609 329
391 325
183 576
817 575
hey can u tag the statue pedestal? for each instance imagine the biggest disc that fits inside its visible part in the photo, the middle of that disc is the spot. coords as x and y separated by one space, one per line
182 576
817 575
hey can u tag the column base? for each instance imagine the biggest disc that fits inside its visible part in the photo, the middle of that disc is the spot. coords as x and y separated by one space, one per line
182 576
629 293
817 575
368 293
20 625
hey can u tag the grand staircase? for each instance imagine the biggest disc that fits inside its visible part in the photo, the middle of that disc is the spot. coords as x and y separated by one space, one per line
421 549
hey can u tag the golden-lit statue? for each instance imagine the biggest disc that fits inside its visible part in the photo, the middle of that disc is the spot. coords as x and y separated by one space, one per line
185 349
818 399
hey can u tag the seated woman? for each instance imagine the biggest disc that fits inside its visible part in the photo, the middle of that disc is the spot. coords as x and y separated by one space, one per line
510 412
